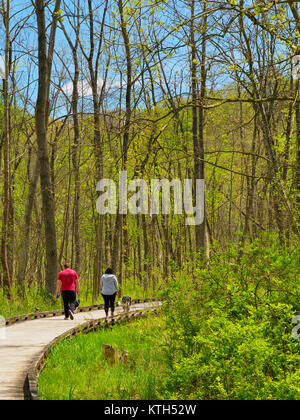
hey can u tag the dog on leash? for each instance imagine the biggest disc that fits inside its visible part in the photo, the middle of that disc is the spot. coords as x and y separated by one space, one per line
126 302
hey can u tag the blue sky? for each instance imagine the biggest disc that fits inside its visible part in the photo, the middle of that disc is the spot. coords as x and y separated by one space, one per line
173 51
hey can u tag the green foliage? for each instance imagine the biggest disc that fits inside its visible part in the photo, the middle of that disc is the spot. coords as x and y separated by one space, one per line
229 326
252 358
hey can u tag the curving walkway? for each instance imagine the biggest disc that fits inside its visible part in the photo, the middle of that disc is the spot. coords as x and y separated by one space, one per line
24 342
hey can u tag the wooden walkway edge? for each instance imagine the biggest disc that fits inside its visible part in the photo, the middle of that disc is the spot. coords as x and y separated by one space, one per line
25 345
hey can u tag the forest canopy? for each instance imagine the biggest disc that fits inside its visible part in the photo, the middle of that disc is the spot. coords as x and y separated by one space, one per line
162 90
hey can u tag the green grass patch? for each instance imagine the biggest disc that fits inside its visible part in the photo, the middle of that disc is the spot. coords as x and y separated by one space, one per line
78 370
35 299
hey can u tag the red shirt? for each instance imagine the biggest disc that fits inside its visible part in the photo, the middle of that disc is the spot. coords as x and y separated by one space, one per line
68 278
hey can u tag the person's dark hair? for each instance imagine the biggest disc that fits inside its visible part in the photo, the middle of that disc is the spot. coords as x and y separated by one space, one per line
109 271
67 265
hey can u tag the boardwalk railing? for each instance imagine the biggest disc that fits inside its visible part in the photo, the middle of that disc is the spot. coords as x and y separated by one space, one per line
58 312
31 382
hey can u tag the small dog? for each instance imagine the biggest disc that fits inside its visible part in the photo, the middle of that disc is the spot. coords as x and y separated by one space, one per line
126 302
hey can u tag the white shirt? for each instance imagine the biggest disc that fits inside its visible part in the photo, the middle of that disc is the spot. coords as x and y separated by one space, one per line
108 284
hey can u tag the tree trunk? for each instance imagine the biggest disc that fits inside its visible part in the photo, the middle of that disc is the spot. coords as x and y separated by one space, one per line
198 113
24 249
7 281
121 218
41 117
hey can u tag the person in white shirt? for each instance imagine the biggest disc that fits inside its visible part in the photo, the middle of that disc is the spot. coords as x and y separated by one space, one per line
109 289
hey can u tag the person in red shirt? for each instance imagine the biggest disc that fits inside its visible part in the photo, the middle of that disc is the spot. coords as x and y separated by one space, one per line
68 284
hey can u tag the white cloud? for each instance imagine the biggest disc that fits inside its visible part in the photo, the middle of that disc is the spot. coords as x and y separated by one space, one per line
2 67
85 89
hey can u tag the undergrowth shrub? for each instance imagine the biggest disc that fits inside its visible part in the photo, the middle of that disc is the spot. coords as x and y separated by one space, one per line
229 326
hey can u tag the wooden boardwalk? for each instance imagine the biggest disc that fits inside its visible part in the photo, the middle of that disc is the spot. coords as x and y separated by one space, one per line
22 343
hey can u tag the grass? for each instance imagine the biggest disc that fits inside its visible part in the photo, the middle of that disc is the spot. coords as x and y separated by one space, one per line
36 298
77 369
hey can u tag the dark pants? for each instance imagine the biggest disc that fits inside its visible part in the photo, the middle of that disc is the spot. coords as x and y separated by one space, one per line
109 302
69 297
